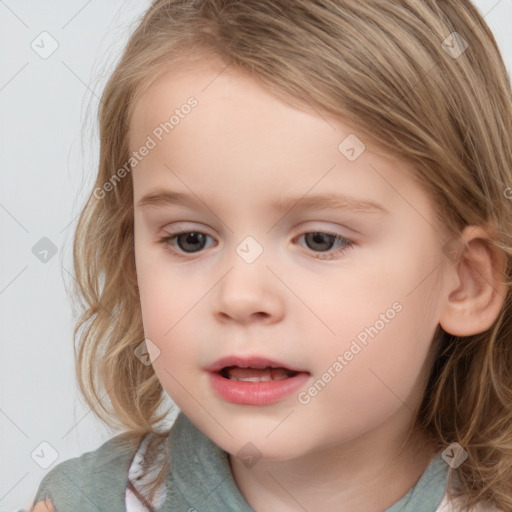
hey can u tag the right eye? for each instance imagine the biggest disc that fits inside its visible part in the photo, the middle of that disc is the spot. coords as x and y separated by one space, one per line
188 242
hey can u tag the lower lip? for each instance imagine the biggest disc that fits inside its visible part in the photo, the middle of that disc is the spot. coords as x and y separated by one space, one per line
256 393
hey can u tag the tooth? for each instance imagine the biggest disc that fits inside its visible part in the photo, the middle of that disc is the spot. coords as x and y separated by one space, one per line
263 378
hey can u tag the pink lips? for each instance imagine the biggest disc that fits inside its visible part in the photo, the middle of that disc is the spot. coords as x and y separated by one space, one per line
249 362
254 393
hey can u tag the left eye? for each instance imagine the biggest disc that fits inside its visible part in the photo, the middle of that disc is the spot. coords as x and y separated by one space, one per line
320 240
190 242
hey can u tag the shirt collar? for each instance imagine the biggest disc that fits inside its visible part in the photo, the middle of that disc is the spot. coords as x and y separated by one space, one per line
201 473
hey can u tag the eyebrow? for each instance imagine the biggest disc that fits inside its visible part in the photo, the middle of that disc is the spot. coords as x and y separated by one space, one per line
310 202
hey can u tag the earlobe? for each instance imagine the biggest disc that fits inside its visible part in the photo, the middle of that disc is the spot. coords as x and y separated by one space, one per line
474 305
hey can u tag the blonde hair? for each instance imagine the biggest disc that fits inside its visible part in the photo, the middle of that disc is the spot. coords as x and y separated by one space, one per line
396 73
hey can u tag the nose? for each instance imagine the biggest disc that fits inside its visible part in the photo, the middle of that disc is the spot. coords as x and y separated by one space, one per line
248 293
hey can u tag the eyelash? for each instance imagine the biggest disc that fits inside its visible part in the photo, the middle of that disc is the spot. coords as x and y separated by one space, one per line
166 242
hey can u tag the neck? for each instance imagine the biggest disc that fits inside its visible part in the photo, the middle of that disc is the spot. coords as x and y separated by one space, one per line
367 474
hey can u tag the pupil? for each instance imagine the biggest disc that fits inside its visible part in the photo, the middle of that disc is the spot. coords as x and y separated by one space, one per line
318 239
190 241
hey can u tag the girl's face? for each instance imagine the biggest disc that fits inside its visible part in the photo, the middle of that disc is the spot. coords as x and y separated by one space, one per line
303 248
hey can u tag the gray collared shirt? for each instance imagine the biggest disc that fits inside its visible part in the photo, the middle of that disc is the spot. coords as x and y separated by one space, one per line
200 479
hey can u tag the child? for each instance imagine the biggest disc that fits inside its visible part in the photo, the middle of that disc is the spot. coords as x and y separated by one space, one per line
373 373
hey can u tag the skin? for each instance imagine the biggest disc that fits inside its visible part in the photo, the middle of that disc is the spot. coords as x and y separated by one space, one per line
240 149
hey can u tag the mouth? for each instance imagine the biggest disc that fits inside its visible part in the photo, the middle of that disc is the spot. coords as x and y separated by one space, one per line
253 368
255 380
249 374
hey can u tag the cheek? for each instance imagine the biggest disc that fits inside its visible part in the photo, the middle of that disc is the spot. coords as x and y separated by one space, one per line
159 282
171 307
387 318
166 315
384 374
159 293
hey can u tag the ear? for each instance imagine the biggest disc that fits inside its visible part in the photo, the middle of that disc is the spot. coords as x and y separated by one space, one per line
474 303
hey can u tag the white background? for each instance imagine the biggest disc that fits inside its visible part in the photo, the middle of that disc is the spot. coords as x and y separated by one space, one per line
49 149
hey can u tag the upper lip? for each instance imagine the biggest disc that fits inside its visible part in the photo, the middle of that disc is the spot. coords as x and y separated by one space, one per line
249 362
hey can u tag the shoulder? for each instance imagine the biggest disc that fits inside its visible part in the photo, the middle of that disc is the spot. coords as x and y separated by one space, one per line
100 475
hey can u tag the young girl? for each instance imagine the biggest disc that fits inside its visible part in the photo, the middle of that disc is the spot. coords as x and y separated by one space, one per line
341 337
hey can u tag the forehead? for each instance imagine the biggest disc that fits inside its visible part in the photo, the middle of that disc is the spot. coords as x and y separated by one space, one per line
220 91
241 139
